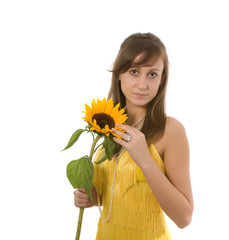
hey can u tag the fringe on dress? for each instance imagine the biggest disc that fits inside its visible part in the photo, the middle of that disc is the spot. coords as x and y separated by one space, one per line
136 214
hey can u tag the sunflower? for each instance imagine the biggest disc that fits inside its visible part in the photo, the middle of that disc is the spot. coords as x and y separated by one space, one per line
102 116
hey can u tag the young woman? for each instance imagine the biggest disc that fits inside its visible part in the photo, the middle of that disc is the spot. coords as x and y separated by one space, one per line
150 174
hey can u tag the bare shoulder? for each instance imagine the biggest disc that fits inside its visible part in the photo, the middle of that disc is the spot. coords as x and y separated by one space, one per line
175 133
174 136
173 127
176 146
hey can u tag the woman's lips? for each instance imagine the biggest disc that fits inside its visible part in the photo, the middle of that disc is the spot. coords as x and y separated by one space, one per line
140 95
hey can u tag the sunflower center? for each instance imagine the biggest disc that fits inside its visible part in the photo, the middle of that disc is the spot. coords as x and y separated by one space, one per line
103 119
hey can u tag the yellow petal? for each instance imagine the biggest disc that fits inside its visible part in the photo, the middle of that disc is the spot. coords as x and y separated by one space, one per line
117 136
109 107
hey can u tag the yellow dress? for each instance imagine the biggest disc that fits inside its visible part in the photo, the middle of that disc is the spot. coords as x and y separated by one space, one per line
136 214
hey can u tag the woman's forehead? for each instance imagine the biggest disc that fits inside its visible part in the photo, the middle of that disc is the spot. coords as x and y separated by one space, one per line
154 61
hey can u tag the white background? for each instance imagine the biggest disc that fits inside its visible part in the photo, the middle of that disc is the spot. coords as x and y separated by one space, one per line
54 57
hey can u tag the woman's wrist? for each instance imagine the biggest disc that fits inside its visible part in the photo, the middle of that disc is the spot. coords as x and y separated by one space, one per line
146 162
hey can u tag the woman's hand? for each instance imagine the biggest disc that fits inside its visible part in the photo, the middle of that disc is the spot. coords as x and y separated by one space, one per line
136 146
82 200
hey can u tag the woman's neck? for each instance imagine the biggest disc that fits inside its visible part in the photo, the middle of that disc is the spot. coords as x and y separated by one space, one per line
135 114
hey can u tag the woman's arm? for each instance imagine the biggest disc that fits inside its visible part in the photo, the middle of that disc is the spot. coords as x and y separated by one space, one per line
173 190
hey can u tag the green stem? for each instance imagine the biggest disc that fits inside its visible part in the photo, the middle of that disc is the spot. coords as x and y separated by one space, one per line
93 146
80 219
97 147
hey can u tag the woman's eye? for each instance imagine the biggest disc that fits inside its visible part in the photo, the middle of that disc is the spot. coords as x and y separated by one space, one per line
134 72
153 75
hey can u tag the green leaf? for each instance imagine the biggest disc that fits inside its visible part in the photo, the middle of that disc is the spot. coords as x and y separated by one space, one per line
115 146
110 147
102 159
107 144
80 174
75 136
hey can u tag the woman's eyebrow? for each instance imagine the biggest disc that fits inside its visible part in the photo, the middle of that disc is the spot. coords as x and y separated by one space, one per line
151 69
155 69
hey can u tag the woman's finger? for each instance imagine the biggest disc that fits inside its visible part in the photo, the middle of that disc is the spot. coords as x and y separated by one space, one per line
81 198
121 142
82 190
126 128
81 204
123 135
80 194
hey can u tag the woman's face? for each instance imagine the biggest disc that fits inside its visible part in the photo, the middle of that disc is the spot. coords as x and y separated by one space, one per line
140 84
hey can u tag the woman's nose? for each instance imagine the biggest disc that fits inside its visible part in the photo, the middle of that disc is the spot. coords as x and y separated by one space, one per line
142 82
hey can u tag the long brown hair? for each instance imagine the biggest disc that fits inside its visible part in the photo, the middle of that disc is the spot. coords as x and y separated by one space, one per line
149 47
